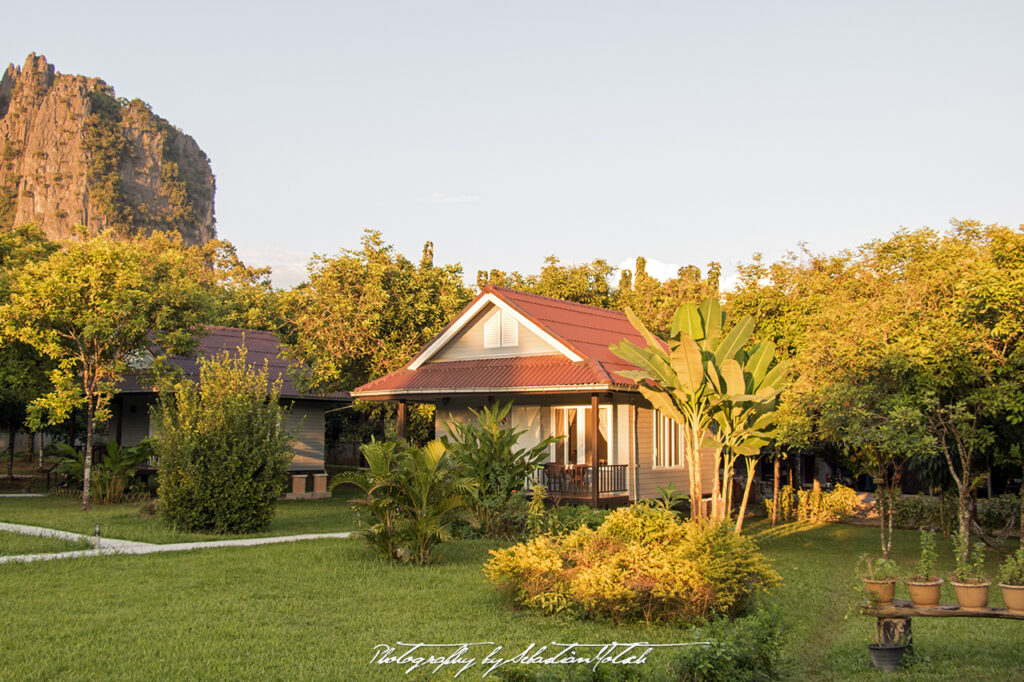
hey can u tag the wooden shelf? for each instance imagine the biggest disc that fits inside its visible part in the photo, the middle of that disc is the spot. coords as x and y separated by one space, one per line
904 609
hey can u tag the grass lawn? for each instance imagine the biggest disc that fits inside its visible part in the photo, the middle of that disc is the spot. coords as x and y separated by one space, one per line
16 543
316 610
123 522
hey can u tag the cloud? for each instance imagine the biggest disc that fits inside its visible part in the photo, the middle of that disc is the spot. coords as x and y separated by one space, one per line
439 198
287 268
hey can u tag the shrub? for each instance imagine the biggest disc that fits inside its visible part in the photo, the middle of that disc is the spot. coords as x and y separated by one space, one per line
746 648
642 563
815 506
111 477
222 447
939 512
1011 572
487 452
413 497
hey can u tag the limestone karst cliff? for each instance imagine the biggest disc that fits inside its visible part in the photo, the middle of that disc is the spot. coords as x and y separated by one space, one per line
72 153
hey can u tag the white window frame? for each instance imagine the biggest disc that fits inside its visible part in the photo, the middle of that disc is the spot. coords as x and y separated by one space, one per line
669 445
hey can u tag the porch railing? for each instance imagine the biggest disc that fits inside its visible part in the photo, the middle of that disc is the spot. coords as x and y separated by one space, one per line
568 480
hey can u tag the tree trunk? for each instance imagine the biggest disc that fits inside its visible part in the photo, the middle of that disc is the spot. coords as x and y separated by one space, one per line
746 494
964 516
10 450
87 459
775 489
30 446
716 489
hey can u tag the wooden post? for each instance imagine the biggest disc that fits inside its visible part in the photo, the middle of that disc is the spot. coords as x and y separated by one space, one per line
595 437
895 632
403 417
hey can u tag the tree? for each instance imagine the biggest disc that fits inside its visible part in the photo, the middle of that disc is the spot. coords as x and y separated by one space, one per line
223 448
905 345
23 373
366 312
94 307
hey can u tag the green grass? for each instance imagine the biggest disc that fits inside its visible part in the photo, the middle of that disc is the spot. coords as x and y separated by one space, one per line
315 610
123 521
16 543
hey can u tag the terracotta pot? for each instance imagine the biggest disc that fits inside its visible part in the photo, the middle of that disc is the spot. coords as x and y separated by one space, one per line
881 590
886 658
1013 595
925 595
972 597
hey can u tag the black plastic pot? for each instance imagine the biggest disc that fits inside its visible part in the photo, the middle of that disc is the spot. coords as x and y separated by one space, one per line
886 658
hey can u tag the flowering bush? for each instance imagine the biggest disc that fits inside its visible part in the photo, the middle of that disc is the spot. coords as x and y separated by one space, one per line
642 563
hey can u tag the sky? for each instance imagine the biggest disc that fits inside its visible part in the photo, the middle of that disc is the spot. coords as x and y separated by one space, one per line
505 132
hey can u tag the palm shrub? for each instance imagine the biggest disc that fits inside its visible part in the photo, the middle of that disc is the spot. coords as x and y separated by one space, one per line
413 497
223 448
486 450
111 477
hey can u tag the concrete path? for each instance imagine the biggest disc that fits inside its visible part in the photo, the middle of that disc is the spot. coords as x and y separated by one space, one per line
114 546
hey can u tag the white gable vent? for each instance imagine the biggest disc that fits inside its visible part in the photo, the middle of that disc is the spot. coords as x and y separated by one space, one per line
509 330
501 330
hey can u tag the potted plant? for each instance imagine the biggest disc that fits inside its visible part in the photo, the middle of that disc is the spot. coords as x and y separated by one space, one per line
924 586
969 578
879 576
1011 581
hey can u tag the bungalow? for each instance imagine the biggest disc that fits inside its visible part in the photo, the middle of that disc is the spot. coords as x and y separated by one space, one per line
130 422
551 359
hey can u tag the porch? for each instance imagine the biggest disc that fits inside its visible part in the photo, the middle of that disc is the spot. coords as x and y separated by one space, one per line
574 483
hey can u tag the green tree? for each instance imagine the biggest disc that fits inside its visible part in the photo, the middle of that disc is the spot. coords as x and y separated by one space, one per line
94 307
367 312
23 373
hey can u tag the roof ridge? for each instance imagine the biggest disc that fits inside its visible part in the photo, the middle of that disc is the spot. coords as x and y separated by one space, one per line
562 301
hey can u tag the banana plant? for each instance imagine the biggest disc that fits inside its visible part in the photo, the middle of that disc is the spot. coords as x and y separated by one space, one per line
696 375
746 396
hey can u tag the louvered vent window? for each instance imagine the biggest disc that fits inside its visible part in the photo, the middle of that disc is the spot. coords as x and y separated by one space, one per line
501 330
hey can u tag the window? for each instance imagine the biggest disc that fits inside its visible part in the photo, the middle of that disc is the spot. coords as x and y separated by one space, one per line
668 442
576 424
501 330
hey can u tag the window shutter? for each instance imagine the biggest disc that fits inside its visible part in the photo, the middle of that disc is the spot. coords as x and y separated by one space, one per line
492 331
509 330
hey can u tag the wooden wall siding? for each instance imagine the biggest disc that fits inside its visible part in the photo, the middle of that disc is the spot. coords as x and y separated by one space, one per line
306 421
527 418
651 478
468 344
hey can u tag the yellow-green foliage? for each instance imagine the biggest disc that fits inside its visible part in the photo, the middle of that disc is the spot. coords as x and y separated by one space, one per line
642 563
815 506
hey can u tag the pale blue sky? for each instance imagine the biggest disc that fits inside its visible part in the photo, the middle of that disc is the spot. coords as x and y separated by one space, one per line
505 132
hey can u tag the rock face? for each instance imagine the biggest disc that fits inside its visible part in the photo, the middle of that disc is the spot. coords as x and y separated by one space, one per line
71 154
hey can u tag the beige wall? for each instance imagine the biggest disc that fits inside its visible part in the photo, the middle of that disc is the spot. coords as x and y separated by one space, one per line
468 344
651 478
306 421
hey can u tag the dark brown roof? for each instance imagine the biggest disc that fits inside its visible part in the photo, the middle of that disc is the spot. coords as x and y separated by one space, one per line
587 331
260 346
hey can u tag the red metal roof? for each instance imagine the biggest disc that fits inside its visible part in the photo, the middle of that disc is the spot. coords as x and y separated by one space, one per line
260 346
586 330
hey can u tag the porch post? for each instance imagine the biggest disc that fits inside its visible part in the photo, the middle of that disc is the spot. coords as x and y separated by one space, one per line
403 416
595 437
